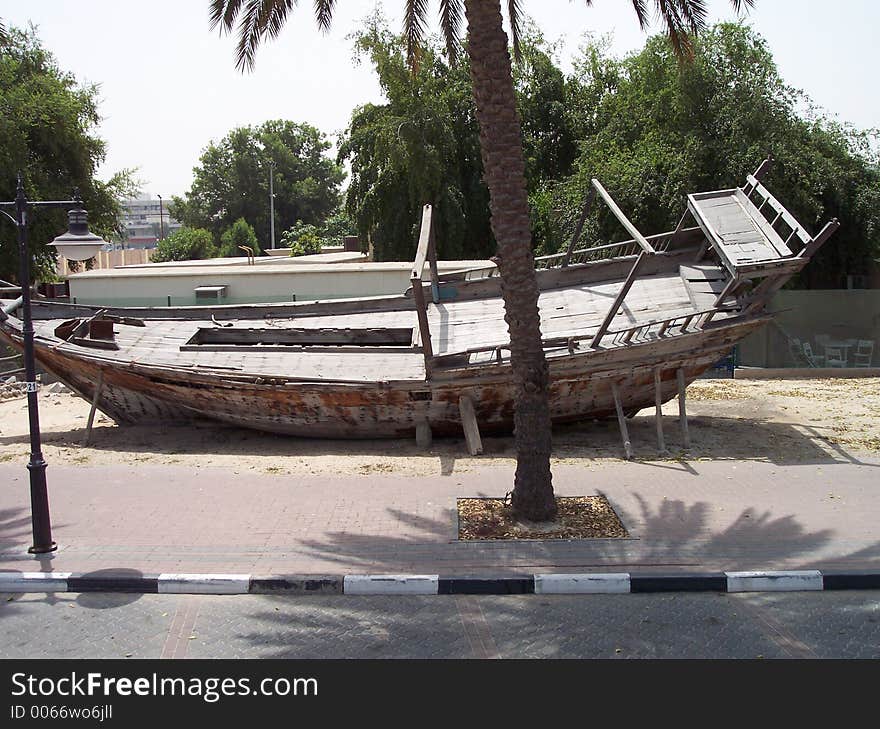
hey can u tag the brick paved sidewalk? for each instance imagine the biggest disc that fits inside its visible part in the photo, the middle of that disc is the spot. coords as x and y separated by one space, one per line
732 515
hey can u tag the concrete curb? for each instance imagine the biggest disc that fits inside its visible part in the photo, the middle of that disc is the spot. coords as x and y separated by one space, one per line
545 584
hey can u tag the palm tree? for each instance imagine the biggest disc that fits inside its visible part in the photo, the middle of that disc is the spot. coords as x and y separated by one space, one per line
504 174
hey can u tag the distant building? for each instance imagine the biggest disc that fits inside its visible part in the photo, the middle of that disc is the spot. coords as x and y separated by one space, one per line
146 220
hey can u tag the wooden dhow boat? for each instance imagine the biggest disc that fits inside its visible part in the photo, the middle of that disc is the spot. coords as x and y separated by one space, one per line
625 326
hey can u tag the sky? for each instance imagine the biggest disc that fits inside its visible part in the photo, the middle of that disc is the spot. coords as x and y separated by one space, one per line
168 85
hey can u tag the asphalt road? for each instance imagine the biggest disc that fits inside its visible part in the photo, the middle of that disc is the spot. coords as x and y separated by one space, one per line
675 625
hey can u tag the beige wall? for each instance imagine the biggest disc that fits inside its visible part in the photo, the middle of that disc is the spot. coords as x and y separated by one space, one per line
841 314
109 259
246 284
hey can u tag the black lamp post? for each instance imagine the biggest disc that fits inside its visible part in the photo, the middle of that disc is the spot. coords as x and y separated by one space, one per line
77 238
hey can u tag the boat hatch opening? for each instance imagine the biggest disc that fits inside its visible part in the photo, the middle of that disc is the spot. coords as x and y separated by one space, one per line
262 339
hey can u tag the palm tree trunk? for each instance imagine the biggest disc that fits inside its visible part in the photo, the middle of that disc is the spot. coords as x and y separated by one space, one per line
504 173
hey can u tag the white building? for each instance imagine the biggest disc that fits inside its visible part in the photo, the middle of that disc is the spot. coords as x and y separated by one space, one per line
146 221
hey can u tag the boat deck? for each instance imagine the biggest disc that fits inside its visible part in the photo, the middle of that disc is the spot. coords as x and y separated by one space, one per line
455 327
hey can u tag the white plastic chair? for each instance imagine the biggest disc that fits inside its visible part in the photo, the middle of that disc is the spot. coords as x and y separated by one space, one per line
834 357
814 360
864 353
796 350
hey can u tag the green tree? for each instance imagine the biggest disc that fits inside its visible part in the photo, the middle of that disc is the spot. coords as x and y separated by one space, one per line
420 147
185 244
653 131
240 233
232 179
302 239
501 149
47 131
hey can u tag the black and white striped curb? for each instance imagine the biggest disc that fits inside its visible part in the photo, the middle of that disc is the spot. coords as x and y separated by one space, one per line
542 584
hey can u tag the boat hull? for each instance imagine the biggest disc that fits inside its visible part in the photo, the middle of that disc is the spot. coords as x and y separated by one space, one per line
581 388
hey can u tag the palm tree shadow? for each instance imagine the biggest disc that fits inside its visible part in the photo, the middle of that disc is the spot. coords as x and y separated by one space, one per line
15 527
674 534
394 627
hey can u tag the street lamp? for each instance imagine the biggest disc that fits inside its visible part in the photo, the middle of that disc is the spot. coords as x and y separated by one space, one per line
77 244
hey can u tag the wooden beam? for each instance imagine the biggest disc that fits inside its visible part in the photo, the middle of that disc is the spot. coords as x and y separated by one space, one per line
98 388
432 262
618 300
424 326
624 221
424 241
682 410
423 433
621 421
469 423
816 243
591 195
658 413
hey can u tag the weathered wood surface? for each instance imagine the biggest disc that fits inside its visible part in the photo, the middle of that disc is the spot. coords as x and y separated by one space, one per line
470 426
580 387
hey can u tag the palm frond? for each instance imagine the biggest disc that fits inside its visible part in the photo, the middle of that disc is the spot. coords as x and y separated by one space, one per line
262 19
324 13
224 13
515 16
450 24
683 19
742 5
641 8
414 19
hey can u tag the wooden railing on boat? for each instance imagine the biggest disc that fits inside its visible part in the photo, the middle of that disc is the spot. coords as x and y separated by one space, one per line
636 334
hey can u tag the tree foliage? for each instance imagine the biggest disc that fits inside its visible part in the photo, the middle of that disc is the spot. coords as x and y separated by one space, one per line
653 130
422 147
303 239
47 132
185 244
239 234
232 179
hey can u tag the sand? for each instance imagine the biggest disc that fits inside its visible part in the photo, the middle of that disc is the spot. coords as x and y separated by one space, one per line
780 421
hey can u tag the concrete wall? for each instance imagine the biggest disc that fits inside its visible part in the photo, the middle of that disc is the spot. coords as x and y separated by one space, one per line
246 284
841 314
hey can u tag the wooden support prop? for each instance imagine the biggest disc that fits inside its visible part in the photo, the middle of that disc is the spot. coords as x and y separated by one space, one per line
682 410
624 221
432 261
423 433
618 300
98 388
621 421
591 195
658 417
469 423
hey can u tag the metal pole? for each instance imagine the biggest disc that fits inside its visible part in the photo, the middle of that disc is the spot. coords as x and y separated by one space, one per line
161 220
42 527
272 203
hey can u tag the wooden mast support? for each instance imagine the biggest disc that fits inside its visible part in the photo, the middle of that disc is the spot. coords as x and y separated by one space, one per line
658 413
618 300
432 255
621 421
682 410
624 221
418 292
591 195
97 396
423 433
469 423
